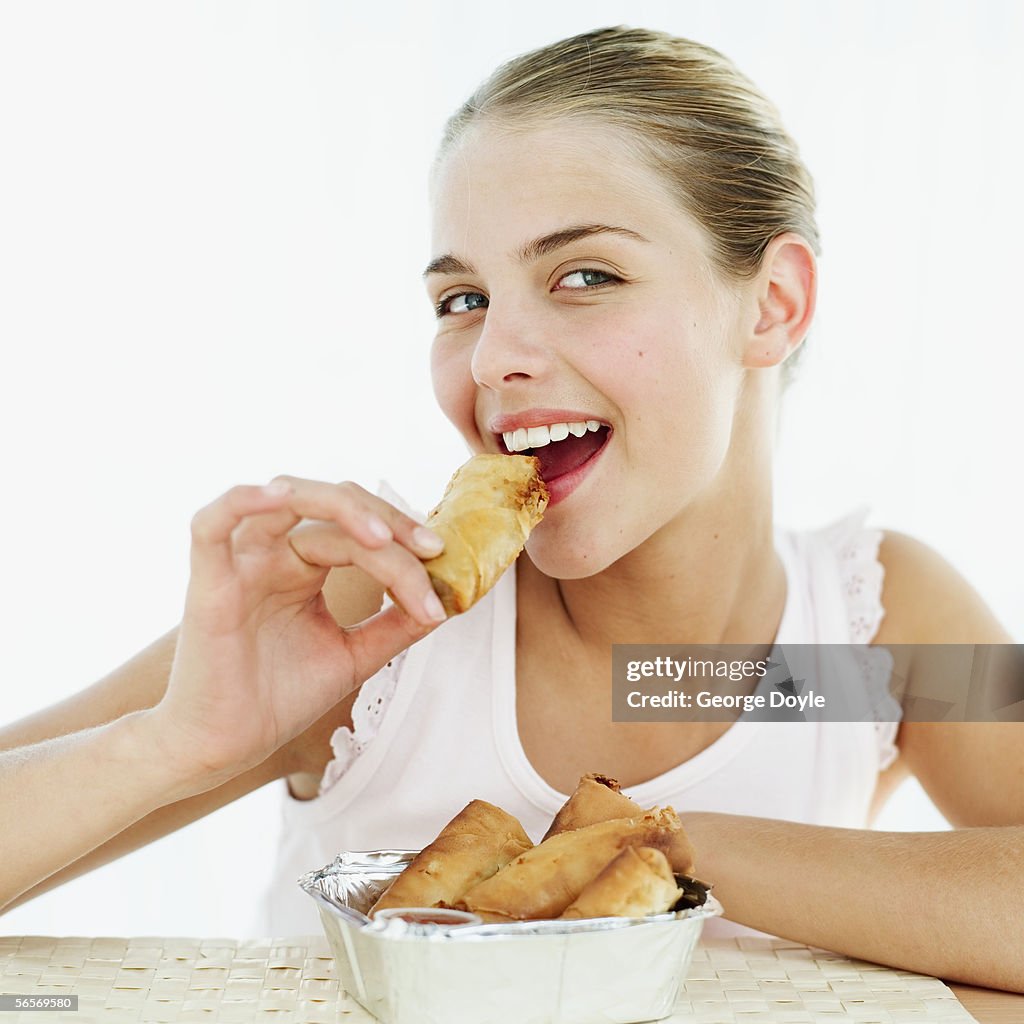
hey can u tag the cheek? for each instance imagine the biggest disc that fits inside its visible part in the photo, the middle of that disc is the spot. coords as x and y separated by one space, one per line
453 387
671 376
654 364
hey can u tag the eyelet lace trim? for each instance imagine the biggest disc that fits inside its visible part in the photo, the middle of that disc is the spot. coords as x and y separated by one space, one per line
367 714
862 576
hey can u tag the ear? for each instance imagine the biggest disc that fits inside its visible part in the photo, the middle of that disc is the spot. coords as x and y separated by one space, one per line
785 291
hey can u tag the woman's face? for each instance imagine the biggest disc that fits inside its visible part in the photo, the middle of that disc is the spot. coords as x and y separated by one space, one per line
571 287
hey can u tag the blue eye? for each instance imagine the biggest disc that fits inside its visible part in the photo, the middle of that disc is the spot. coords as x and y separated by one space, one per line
464 302
586 279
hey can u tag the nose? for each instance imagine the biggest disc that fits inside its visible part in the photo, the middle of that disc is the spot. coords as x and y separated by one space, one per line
509 348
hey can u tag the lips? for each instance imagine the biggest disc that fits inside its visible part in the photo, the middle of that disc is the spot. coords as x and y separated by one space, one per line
564 463
563 473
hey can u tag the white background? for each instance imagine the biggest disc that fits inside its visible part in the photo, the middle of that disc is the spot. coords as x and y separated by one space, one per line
212 222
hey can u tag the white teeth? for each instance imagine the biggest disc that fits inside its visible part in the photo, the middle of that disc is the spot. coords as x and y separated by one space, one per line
537 437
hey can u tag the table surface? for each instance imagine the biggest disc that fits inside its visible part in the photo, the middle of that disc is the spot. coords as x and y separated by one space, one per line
294 981
990 1007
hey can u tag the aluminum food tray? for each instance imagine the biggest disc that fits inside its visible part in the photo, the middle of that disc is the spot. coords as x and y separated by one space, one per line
600 971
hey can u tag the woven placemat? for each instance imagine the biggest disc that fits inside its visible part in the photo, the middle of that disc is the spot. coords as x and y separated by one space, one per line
293 981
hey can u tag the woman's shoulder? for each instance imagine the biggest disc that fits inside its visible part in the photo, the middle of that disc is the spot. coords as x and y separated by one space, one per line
970 768
896 588
927 600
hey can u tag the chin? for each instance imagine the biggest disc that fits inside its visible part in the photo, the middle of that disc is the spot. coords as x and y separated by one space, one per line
568 560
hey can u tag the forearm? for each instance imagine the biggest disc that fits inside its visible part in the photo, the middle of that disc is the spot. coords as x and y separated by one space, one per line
159 823
137 684
64 797
949 904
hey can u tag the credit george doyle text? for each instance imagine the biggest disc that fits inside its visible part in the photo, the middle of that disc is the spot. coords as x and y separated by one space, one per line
818 682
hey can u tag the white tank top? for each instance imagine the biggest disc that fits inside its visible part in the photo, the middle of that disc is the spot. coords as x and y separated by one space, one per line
437 728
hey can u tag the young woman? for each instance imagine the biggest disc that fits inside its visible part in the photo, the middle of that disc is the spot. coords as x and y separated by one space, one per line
624 238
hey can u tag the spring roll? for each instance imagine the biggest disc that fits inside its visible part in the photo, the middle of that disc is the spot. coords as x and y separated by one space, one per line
597 798
544 881
488 510
637 883
479 841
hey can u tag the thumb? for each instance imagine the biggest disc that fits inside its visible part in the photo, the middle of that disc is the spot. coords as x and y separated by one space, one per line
374 642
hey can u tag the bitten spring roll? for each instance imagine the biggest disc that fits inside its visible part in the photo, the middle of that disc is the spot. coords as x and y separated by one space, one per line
485 516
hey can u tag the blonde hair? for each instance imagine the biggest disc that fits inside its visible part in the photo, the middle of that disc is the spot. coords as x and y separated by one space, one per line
715 138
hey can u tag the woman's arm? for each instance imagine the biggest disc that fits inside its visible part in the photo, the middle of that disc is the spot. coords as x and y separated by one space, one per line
302 759
973 771
140 683
66 796
949 904
256 671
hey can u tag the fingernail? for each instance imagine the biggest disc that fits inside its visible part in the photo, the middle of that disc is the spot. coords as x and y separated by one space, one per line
379 528
277 488
427 541
434 608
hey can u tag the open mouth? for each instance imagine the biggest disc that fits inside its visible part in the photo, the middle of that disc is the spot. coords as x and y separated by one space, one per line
560 448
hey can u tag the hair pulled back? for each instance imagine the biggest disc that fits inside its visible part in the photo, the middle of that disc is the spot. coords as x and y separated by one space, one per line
692 115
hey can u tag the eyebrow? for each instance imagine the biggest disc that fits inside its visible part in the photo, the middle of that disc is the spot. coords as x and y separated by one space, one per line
533 251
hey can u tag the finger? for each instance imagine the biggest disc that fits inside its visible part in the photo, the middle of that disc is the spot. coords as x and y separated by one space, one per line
326 545
213 524
376 641
373 521
260 531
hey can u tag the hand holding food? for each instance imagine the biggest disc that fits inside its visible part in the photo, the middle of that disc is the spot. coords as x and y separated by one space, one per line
259 657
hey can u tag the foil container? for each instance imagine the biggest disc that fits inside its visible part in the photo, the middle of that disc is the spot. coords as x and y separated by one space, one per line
602 971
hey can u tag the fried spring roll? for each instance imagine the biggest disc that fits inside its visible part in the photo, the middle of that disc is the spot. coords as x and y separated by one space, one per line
480 840
637 883
597 798
542 882
485 516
